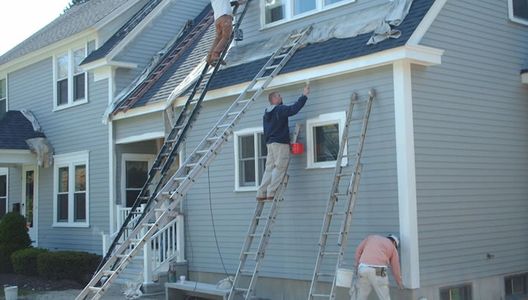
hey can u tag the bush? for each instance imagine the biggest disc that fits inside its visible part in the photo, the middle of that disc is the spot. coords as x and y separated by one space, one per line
25 261
13 236
78 266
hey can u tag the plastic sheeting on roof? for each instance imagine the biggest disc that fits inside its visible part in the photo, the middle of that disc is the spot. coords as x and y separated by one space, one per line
42 148
379 20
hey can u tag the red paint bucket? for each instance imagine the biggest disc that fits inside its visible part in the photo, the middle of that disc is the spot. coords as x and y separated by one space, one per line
297 148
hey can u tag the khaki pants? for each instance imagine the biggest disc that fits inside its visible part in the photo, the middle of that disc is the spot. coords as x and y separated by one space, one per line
224 28
276 166
367 281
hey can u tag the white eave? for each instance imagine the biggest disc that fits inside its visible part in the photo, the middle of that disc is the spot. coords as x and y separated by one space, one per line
415 54
16 157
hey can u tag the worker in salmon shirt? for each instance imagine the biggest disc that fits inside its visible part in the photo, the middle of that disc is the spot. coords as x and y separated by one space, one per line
223 14
373 257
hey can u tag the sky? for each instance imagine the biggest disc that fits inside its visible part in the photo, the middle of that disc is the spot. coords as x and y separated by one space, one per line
21 18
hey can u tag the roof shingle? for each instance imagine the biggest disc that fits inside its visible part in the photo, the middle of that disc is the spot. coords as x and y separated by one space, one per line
75 20
15 129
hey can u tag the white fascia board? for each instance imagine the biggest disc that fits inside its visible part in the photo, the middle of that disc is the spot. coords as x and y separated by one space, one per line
16 157
426 22
141 137
48 51
524 77
114 14
416 54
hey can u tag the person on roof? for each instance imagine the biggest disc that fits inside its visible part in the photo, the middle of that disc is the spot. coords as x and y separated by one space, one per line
277 136
373 255
224 27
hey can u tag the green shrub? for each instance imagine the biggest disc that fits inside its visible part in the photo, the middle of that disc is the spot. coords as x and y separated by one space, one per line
13 236
78 266
25 261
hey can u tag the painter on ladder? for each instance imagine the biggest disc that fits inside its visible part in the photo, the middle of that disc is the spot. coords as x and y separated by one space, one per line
373 257
277 136
224 27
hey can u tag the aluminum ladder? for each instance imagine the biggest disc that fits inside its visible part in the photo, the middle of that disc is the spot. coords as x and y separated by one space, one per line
165 159
267 219
174 190
317 291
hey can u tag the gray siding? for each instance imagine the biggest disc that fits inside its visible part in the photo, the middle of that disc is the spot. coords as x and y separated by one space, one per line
70 130
143 124
471 147
157 34
292 250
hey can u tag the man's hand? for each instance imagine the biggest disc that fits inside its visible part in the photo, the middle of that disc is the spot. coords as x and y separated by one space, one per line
306 90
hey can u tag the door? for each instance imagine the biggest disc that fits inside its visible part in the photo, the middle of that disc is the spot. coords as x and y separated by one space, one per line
30 200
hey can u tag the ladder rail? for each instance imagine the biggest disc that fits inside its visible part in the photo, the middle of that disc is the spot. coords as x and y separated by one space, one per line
335 186
179 137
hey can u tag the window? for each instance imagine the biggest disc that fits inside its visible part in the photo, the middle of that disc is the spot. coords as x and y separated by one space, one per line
456 293
3 97
518 11
250 158
3 192
284 10
71 86
324 135
71 200
135 169
516 286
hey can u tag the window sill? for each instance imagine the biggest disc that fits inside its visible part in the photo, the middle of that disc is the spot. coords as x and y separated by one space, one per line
70 105
519 20
246 189
304 15
326 165
70 225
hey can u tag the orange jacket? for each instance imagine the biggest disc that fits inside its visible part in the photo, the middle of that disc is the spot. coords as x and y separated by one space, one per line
378 250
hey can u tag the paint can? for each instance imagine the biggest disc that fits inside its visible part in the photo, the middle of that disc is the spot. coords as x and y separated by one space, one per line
11 292
344 277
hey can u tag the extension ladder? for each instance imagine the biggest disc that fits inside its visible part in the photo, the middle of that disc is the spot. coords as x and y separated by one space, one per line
167 155
317 291
174 190
267 219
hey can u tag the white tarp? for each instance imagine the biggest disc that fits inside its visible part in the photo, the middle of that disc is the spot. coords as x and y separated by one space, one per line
40 146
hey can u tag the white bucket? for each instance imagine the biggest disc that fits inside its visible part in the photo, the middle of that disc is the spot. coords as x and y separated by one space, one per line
344 277
11 292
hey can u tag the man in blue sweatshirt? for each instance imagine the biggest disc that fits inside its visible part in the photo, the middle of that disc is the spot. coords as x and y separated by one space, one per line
277 135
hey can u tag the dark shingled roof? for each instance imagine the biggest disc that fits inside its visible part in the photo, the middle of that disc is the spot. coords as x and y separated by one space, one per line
75 20
113 41
15 129
330 51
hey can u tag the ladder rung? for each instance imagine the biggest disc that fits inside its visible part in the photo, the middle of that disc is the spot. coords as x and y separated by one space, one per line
325 274
297 35
340 194
234 113
241 290
272 67
243 101
203 151
321 295
330 253
264 78
191 165
246 271
336 213
108 273
179 178
225 125
94 289
281 56
250 253
332 233
214 138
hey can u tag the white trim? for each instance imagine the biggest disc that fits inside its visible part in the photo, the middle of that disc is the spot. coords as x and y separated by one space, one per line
416 54
255 131
111 161
71 75
6 91
524 77
105 62
426 22
148 158
324 119
114 14
5 171
71 160
8 156
35 169
290 12
405 157
512 17
141 137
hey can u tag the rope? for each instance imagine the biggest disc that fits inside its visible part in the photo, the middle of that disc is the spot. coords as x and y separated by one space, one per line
213 223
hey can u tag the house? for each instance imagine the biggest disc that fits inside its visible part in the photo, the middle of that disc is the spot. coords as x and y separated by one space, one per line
444 163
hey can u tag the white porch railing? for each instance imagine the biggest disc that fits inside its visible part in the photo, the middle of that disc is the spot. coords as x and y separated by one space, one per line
165 245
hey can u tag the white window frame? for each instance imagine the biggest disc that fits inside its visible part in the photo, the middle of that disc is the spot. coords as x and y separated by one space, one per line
511 277
71 160
255 131
290 11
5 171
71 75
7 93
321 120
467 285
149 158
513 18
